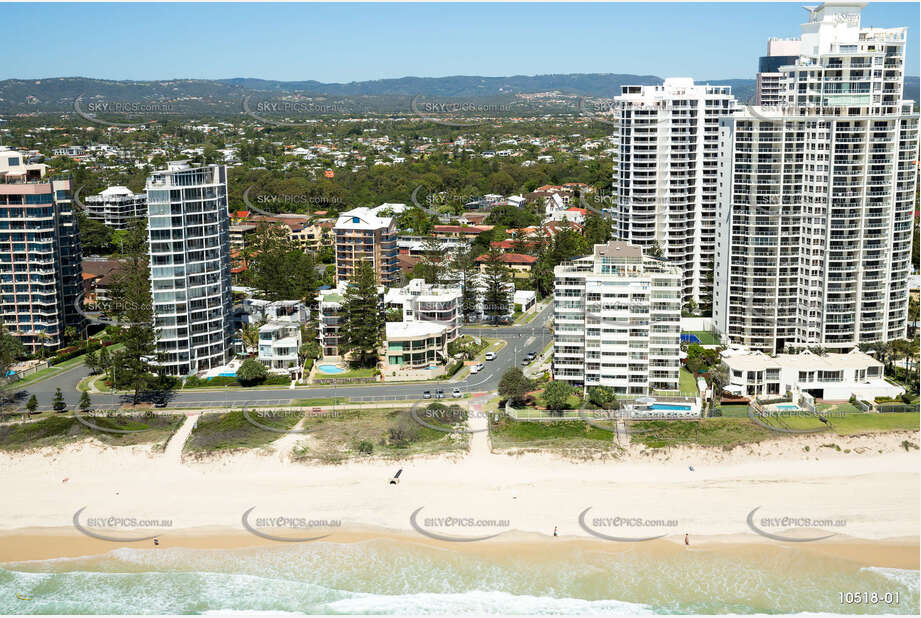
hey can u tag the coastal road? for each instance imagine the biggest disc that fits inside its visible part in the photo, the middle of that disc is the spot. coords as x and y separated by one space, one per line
520 338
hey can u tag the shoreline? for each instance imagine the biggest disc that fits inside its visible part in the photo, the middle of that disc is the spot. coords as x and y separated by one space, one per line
27 546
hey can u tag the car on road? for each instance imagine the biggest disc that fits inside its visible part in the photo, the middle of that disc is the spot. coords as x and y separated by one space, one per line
531 356
477 368
427 395
490 356
525 361
439 394
456 393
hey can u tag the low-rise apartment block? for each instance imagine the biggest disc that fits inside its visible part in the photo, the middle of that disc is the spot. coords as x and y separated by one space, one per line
116 207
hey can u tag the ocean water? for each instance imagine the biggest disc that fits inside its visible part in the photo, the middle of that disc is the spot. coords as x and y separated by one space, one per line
386 576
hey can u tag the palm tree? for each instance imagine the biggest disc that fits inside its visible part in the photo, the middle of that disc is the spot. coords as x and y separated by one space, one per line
249 334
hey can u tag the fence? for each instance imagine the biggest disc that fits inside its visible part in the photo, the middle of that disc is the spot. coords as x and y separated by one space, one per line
19 375
531 414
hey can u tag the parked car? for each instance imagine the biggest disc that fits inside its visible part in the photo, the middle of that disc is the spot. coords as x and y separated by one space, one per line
490 356
427 395
456 393
439 394
531 356
525 361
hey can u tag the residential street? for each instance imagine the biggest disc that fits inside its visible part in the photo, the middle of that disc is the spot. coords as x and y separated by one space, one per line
521 339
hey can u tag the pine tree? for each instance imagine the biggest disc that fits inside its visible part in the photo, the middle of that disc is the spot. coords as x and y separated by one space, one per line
58 404
466 268
32 404
131 302
496 277
363 318
85 402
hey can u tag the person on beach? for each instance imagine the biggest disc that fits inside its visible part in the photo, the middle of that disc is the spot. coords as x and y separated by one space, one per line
555 531
156 542
686 541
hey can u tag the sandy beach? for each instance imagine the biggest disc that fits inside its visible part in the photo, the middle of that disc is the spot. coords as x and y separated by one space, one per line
869 496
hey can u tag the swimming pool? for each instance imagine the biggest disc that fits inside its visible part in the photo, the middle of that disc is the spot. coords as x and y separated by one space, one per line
787 406
228 374
330 369
669 406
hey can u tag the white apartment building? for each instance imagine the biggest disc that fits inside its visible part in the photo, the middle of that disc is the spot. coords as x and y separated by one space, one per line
190 267
116 207
816 197
41 285
279 343
769 88
665 173
617 321
422 302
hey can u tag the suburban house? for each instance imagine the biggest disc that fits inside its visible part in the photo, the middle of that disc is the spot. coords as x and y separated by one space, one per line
520 263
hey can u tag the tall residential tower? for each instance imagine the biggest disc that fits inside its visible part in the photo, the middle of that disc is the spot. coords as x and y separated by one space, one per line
40 257
816 197
188 230
665 173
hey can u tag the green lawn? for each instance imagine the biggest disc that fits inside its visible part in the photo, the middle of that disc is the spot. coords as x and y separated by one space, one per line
706 337
362 372
845 407
737 410
861 422
320 401
573 402
687 383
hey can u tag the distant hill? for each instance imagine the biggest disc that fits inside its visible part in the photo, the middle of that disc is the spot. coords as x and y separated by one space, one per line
57 94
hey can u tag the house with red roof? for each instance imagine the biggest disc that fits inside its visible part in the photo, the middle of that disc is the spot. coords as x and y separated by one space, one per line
519 263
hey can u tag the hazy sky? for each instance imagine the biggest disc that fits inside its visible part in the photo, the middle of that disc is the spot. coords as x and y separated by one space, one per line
354 42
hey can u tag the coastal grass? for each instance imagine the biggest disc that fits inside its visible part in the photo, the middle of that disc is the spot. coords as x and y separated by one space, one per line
507 433
390 433
229 431
60 429
723 433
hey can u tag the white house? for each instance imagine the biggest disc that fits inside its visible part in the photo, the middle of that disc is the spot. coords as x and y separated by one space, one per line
830 376
279 343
